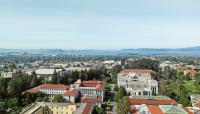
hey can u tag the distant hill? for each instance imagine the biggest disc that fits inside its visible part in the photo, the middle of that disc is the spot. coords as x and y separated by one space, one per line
197 48
189 51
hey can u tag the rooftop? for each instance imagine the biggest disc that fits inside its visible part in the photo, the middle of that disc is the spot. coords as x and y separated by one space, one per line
197 104
138 71
97 84
155 110
34 90
151 97
189 111
91 99
171 109
45 71
138 101
54 86
88 109
72 92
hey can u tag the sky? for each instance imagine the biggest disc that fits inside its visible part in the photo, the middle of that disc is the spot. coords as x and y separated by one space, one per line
99 24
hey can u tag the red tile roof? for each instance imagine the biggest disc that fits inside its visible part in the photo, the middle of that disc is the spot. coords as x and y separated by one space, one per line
189 111
91 100
54 86
133 109
34 90
138 71
197 104
98 84
155 110
87 109
72 92
190 71
136 101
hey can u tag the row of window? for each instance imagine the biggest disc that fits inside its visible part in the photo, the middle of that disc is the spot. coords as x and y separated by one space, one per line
52 89
138 86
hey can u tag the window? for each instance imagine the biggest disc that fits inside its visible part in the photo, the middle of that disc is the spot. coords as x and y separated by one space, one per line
139 93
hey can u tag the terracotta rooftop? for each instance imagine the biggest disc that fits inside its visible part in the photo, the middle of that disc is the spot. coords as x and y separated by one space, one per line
189 111
133 109
88 109
91 99
72 92
197 104
190 71
98 84
34 90
54 86
138 71
137 101
155 110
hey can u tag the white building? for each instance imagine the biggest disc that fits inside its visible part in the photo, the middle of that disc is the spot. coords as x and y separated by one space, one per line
53 89
91 91
71 95
7 74
79 69
138 82
167 64
50 89
90 88
48 73
60 66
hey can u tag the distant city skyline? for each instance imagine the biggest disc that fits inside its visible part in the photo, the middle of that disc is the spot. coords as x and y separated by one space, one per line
104 24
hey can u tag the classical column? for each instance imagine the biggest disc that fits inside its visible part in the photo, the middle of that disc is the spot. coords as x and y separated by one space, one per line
156 90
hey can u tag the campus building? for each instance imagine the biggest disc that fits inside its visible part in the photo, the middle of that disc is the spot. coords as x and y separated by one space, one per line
154 105
50 89
91 91
138 82
50 108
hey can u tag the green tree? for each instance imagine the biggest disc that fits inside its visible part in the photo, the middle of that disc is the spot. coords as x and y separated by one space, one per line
54 77
58 98
3 92
12 87
98 110
144 64
122 107
120 94
34 82
12 102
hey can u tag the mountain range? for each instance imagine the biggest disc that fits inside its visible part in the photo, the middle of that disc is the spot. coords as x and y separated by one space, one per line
189 51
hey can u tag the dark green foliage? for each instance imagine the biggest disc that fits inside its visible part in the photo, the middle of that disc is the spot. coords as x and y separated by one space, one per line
176 91
144 64
58 98
98 110
12 92
122 106
120 94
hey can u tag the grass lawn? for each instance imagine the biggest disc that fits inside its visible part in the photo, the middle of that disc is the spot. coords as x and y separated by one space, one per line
189 85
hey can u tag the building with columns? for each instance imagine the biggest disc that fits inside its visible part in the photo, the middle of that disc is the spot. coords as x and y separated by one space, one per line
138 82
90 91
50 90
90 88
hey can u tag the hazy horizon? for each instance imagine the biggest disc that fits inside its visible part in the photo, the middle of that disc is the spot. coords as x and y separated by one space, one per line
95 49
101 25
